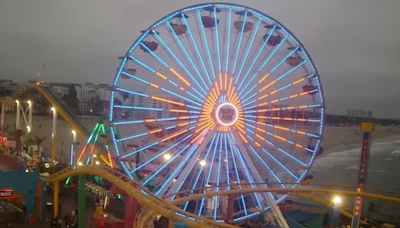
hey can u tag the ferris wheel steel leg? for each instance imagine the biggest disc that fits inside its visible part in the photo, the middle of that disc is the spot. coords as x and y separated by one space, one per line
174 187
258 178
231 206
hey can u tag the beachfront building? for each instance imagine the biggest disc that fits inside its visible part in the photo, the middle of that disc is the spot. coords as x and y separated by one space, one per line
16 88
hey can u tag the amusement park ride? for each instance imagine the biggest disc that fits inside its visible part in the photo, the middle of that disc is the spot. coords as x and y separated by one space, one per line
245 124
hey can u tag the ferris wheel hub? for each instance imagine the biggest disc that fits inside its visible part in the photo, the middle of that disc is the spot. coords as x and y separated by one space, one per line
226 114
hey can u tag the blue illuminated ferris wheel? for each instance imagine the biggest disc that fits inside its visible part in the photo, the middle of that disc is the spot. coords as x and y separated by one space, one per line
220 96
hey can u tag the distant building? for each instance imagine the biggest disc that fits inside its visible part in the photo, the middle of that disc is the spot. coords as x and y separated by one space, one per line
88 93
15 87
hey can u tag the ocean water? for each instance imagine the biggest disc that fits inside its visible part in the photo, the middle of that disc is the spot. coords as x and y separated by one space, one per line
341 167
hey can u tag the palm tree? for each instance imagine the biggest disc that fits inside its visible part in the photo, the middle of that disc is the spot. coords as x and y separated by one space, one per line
39 140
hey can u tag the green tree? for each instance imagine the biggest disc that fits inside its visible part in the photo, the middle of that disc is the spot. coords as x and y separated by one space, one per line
39 140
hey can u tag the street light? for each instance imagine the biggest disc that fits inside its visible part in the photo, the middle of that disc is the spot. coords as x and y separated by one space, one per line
80 163
53 109
203 163
97 163
73 147
336 211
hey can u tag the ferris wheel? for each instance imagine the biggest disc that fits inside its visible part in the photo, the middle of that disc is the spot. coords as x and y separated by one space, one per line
217 95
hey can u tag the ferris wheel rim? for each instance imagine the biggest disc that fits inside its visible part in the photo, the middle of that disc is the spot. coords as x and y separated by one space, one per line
154 25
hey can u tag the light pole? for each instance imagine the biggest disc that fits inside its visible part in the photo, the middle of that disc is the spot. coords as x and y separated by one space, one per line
54 134
18 118
30 119
73 147
336 211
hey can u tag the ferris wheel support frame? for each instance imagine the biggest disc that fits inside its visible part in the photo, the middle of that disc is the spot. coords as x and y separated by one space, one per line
277 213
173 187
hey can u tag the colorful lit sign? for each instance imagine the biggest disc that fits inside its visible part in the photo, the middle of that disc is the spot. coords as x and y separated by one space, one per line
226 114
3 139
6 193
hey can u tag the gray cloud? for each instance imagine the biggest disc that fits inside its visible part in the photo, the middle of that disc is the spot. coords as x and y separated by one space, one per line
354 44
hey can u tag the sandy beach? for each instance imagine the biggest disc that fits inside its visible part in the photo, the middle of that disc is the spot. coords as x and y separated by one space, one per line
339 138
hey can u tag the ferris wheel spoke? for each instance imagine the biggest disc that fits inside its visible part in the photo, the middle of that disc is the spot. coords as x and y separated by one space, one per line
290 85
296 95
269 197
201 169
164 139
249 179
205 43
187 55
238 49
262 67
156 120
163 151
207 181
282 76
228 42
216 202
154 174
281 165
217 41
303 133
155 131
248 51
266 166
227 161
157 86
180 64
197 50
286 153
231 147
258 55
182 172
278 136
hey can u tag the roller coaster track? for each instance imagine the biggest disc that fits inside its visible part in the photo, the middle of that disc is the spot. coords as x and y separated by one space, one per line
65 112
143 196
312 192
62 109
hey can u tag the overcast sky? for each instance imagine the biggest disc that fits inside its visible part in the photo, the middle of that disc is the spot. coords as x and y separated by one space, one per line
355 44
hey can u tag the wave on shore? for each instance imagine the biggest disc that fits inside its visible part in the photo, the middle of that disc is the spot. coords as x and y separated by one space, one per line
350 157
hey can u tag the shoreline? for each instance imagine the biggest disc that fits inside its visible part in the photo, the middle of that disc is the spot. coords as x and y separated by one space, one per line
338 139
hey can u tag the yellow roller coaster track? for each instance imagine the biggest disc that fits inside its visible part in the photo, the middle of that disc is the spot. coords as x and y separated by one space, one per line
146 216
63 113
67 117
143 196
